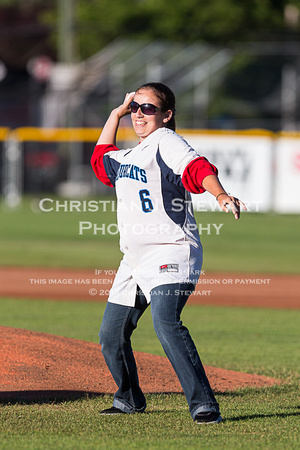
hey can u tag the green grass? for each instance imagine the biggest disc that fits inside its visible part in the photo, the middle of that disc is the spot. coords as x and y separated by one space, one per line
270 423
251 340
265 243
261 243
30 237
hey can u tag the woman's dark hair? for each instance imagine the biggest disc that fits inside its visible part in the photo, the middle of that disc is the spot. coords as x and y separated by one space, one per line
167 99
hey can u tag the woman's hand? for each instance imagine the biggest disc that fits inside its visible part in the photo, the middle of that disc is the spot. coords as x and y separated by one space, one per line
124 109
212 184
228 202
109 131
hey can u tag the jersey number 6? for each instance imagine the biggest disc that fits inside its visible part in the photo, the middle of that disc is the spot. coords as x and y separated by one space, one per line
147 205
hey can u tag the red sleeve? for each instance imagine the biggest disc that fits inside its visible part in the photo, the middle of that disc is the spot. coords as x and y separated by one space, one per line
97 162
194 174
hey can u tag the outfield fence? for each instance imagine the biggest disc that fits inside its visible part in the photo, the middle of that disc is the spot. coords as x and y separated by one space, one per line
260 167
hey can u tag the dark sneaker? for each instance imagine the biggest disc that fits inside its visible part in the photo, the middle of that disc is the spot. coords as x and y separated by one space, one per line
111 411
208 417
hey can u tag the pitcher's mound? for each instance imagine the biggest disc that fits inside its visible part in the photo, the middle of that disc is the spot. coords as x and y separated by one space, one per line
39 366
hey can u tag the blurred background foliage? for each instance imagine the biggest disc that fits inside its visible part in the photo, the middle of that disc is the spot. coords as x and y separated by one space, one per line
98 22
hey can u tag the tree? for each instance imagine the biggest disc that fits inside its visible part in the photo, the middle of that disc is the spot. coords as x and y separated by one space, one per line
217 21
98 22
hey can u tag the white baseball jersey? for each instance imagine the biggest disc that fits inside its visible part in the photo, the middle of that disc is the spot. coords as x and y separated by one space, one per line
158 232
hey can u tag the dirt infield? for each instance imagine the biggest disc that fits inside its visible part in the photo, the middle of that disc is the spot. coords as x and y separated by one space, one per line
223 289
39 366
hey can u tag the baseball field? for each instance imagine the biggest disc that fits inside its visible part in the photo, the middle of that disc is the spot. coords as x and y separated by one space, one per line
56 270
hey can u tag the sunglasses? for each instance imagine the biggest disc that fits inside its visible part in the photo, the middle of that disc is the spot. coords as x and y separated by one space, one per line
147 108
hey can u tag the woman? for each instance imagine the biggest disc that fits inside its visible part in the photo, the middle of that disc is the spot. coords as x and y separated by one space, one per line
161 245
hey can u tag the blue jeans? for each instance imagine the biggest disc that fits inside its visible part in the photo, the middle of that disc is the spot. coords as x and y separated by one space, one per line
118 324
